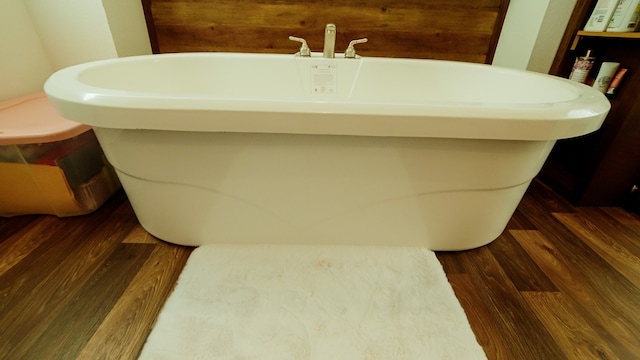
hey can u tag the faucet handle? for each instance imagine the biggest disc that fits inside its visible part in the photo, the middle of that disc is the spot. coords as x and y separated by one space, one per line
351 50
304 49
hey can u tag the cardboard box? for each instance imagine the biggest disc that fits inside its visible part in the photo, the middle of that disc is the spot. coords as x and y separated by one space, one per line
48 164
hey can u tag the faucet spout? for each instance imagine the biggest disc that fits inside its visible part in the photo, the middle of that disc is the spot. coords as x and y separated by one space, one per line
329 50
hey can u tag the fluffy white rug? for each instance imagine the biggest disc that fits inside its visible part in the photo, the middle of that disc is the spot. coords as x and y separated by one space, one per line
312 302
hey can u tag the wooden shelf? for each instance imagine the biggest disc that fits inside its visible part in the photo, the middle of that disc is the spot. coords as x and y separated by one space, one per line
599 168
620 35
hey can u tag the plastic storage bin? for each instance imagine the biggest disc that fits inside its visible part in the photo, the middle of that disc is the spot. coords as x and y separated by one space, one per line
48 164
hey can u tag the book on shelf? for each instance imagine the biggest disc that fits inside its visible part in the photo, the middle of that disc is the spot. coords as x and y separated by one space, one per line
601 15
625 17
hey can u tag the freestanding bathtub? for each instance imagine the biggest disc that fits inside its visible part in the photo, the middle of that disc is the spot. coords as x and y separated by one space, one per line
255 148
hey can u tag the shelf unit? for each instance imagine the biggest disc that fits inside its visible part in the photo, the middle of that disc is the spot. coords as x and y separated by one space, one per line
600 168
618 35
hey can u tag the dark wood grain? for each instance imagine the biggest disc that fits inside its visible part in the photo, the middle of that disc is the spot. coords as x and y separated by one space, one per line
508 309
485 328
523 271
614 325
63 279
125 329
560 283
573 334
64 337
435 29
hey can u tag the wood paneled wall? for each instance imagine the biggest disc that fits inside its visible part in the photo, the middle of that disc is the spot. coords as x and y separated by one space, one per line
460 30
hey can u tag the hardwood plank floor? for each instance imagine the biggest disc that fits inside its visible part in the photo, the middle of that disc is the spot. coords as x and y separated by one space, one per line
559 283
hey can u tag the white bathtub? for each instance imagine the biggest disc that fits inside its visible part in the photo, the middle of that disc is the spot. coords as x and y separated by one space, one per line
252 148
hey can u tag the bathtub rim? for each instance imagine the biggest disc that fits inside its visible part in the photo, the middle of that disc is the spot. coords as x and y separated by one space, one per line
103 107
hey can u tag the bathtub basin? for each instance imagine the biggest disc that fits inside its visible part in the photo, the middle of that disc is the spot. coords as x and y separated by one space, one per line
265 148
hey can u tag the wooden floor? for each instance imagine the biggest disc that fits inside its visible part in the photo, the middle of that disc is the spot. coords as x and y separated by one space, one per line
560 282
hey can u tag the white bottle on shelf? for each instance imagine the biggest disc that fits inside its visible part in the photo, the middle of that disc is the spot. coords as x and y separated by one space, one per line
605 75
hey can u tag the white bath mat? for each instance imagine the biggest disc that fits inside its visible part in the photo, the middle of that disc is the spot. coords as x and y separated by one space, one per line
312 302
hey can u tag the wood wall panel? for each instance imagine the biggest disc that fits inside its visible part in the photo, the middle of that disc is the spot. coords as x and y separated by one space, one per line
436 29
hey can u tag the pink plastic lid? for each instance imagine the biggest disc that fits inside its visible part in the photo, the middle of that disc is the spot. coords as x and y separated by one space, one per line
31 119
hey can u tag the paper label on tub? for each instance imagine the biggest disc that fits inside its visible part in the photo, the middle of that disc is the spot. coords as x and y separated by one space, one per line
323 79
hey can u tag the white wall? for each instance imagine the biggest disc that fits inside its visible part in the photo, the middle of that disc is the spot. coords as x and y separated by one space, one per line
555 21
128 27
72 31
531 33
38 37
24 65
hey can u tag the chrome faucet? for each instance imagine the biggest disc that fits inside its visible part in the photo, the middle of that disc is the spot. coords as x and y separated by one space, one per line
350 53
304 48
329 50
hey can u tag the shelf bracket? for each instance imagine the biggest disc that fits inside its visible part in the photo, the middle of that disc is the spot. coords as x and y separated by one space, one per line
576 40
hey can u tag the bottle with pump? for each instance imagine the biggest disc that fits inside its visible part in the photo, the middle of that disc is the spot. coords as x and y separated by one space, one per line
581 68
